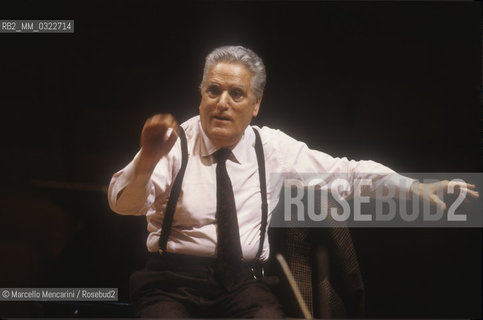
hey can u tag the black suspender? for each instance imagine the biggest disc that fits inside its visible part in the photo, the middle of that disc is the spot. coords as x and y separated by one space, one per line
176 189
263 190
174 194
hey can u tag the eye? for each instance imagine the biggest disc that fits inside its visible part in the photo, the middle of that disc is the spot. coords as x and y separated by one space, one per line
213 91
236 94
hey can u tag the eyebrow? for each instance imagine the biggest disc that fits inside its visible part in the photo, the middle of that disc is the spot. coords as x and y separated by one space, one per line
239 87
212 83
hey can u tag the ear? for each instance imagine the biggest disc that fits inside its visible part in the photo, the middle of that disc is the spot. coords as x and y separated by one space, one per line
257 106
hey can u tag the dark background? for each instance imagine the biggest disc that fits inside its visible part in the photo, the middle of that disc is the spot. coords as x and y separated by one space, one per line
394 82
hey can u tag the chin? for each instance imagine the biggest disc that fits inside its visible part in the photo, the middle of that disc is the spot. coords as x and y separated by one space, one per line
222 138
221 133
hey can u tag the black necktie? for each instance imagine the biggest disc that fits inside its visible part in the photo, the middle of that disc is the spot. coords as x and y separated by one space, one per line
229 253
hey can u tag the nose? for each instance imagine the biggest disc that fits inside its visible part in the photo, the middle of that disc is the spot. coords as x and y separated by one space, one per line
223 100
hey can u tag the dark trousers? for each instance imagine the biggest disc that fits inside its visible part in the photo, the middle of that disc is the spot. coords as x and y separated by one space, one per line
180 286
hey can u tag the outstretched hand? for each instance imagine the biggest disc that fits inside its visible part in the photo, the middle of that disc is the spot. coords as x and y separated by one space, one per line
433 191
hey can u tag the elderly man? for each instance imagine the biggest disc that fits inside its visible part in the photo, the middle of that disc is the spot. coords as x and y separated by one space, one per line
205 196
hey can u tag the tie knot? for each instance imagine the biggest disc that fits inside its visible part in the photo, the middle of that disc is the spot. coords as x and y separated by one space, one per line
222 154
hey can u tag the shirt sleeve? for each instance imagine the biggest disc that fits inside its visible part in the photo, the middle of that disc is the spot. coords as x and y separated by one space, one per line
298 161
129 195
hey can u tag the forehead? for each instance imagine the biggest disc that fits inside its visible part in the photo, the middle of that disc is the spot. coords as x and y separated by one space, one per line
230 74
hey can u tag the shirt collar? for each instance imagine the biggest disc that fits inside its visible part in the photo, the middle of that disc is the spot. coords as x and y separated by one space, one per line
240 151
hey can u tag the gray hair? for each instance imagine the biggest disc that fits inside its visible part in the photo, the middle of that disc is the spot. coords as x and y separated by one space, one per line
244 56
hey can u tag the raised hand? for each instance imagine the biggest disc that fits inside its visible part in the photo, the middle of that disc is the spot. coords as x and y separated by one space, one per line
157 138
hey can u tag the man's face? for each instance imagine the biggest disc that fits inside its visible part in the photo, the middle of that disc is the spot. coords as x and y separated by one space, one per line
227 103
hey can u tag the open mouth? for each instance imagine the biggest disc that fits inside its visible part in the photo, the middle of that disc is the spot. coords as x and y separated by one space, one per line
221 118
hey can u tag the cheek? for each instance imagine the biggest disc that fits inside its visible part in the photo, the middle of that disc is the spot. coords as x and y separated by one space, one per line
207 103
204 106
204 111
245 116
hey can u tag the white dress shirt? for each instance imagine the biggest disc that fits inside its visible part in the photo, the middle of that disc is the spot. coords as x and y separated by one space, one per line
194 225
